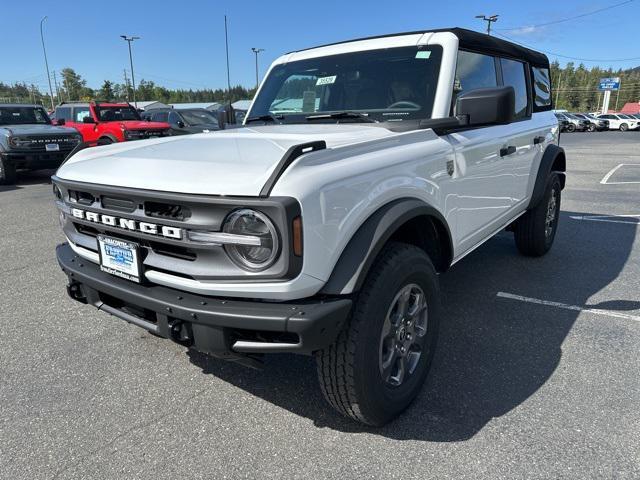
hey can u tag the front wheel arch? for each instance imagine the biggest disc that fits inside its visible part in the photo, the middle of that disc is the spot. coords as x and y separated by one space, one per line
406 220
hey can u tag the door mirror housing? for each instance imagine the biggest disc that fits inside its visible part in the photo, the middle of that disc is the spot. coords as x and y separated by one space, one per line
88 119
487 106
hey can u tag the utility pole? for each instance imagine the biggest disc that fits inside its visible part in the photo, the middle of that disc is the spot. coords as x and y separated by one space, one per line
126 84
257 51
46 62
226 43
55 83
489 20
618 96
133 78
558 90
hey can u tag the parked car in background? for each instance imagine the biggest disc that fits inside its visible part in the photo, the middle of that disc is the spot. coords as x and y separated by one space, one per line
575 123
618 122
632 118
29 140
106 123
563 122
595 124
184 121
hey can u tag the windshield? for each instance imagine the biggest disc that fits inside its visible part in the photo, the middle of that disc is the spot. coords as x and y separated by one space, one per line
199 117
23 115
116 114
394 84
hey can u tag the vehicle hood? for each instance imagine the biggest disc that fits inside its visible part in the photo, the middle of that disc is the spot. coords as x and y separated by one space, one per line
35 129
227 162
142 125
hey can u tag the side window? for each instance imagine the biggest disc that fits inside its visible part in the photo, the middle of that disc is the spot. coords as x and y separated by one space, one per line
160 117
541 88
513 74
174 118
79 113
474 70
63 112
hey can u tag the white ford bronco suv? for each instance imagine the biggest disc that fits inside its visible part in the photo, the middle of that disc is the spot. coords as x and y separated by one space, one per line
364 169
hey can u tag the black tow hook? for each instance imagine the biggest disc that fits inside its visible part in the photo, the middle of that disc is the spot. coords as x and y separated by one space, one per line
180 332
75 292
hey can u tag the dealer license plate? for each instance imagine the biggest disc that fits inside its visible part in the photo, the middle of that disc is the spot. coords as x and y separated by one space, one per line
120 258
52 147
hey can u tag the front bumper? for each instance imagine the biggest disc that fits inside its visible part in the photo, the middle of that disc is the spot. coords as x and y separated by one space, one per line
222 327
35 160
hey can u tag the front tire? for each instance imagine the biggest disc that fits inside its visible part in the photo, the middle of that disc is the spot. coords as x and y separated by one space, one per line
592 128
571 128
7 171
624 127
378 363
535 231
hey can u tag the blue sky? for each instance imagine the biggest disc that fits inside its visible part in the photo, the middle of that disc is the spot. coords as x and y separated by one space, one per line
182 43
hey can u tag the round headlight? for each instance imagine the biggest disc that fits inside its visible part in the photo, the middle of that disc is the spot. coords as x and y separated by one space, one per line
254 224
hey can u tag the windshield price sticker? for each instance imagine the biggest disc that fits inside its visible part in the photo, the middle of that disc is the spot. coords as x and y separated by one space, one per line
326 80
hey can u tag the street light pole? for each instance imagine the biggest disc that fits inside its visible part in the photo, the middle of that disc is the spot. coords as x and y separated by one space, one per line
46 63
489 20
257 51
133 78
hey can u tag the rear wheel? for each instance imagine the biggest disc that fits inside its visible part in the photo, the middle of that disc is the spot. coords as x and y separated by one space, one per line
624 127
380 360
571 128
7 171
535 230
105 141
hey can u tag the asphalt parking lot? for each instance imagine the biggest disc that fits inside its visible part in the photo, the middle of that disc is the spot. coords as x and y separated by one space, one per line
536 374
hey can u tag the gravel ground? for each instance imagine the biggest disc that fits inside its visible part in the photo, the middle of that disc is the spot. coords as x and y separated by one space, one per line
518 389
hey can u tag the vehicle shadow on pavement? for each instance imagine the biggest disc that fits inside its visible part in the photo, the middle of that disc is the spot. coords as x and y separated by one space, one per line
493 354
36 177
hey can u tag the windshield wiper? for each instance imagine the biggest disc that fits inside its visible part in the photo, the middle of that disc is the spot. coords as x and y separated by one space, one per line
339 115
265 118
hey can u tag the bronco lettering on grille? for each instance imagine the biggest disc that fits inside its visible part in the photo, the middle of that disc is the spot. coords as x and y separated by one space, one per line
128 224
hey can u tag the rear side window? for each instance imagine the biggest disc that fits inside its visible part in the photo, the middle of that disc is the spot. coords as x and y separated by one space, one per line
79 114
541 89
63 112
513 74
160 117
474 70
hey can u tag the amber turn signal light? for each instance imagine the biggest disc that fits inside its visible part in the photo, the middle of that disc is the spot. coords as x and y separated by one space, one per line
297 236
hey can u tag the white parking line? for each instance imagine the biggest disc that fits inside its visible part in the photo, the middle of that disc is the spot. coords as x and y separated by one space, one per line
632 219
566 306
605 179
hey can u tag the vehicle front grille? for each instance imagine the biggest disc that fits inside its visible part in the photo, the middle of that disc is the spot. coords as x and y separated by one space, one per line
166 210
38 143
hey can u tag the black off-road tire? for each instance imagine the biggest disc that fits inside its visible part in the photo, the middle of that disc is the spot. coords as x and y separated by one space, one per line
349 370
7 171
533 235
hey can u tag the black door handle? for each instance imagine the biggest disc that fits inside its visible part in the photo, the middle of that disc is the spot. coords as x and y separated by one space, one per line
538 140
504 151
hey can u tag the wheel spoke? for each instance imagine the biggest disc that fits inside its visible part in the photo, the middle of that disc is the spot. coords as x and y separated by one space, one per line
389 366
402 370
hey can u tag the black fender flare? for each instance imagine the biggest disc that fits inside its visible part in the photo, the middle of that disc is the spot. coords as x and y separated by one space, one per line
109 136
358 256
551 154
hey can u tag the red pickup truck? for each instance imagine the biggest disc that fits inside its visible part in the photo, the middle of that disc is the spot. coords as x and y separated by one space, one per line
108 122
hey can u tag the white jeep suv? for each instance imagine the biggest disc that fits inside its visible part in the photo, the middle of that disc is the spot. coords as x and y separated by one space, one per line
364 170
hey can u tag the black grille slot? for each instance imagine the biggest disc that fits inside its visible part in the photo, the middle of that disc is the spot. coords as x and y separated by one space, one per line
166 210
86 230
83 198
172 251
118 204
